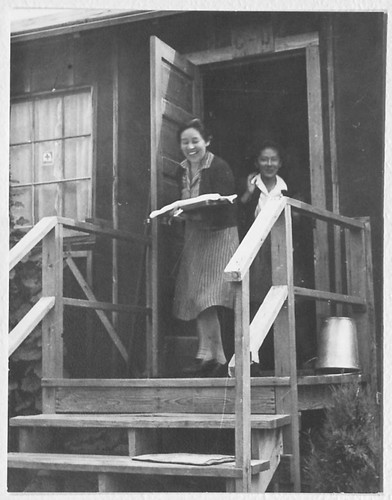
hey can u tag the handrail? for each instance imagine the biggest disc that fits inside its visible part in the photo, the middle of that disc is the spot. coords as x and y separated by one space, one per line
27 324
268 311
45 304
329 296
88 227
242 259
264 318
248 338
46 224
30 240
104 306
325 215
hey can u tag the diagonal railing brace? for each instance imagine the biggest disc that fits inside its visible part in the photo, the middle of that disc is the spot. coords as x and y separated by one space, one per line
102 316
23 329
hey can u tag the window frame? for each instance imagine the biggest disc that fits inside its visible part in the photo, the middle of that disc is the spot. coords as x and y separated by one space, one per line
34 97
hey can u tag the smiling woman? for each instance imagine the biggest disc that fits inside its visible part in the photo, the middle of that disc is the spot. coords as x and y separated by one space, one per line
211 238
194 146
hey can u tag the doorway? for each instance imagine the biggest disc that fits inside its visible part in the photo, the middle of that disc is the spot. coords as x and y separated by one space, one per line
265 99
244 101
245 104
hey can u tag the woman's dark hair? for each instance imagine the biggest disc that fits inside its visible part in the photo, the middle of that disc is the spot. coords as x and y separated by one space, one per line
197 124
268 143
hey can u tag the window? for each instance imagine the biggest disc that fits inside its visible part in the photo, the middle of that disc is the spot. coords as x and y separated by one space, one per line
51 157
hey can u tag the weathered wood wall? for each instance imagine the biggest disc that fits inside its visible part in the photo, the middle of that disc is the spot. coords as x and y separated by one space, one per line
86 59
67 62
359 50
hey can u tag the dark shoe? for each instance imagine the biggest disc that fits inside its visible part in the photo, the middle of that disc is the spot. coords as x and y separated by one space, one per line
255 370
219 370
199 368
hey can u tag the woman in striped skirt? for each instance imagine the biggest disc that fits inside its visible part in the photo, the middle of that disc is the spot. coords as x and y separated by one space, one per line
211 238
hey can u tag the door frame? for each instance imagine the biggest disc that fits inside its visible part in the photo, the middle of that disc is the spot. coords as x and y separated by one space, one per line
160 107
248 49
309 43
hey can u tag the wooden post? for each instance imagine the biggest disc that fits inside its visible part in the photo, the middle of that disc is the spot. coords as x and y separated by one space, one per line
360 283
371 317
333 157
242 384
89 319
152 304
284 337
114 353
142 441
267 444
317 176
109 483
35 439
156 124
52 324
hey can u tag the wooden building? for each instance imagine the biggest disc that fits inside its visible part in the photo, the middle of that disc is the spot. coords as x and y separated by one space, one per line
95 107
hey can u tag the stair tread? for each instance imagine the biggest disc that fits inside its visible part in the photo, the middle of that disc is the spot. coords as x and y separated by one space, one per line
149 420
123 464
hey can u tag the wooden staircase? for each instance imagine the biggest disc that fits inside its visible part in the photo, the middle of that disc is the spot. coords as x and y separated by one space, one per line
263 413
35 446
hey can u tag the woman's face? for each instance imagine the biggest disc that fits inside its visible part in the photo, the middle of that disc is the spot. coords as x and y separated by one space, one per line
268 163
193 145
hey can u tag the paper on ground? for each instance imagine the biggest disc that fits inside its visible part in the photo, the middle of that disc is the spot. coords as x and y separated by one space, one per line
185 458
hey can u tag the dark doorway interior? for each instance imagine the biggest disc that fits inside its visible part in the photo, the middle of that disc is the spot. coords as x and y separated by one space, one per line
264 99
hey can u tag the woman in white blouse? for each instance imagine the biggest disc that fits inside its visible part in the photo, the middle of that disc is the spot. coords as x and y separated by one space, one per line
262 184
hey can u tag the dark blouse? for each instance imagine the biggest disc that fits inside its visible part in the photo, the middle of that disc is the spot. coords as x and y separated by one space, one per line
218 178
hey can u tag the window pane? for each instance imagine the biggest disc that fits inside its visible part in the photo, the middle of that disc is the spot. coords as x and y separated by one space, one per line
46 201
21 210
21 164
77 114
77 199
48 119
48 161
77 157
21 122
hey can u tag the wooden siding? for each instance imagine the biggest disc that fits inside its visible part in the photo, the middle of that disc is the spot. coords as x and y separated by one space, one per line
359 59
84 58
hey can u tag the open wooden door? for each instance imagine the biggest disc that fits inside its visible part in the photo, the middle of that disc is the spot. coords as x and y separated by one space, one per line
175 98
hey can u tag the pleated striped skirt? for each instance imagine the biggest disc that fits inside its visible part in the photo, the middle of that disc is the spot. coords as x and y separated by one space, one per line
200 283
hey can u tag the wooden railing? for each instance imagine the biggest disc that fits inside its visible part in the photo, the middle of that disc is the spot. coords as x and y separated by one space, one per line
278 308
27 324
49 309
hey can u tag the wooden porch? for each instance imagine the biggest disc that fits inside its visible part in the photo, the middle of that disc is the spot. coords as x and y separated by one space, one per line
263 413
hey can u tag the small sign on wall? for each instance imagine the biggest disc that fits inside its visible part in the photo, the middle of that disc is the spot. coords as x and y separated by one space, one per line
47 158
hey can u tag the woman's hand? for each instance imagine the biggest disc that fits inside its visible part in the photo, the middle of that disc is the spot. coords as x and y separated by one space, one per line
250 187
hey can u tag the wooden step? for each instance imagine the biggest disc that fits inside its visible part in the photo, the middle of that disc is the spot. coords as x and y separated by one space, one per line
125 465
183 395
148 420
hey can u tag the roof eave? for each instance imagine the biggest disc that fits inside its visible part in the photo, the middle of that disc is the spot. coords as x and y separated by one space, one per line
87 24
